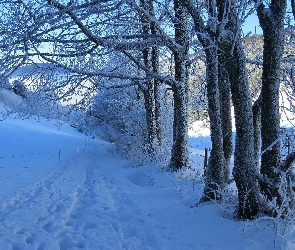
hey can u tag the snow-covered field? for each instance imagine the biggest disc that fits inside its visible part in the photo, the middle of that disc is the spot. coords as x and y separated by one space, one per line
62 190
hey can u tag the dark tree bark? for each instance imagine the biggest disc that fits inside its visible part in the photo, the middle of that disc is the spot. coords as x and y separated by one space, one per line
157 93
272 23
218 94
244 170
256 109
293 7
179 154
214 178
226 120
157 83
244 161
149 102
151 92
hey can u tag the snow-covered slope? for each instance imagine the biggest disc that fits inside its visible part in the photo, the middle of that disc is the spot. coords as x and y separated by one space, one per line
62 190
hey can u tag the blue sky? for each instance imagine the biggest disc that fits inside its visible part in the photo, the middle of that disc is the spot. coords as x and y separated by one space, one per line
252 22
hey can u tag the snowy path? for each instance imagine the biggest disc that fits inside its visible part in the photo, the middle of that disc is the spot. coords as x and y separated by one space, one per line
90 198
78 206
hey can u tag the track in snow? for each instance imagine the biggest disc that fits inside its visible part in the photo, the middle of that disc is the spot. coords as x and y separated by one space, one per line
78 206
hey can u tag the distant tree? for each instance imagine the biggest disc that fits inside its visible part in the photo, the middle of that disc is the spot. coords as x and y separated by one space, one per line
12 48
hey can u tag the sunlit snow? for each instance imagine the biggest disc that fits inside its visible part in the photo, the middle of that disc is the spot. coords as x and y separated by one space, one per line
60 189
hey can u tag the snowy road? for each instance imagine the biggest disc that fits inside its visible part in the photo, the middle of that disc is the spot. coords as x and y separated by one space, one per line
90 198
77 206
85 198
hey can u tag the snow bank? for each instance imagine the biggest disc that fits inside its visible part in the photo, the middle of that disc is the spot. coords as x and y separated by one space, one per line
62 190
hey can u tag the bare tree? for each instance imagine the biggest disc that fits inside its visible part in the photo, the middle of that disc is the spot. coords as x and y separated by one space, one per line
272 22
245 172
217 173
13 49
83 36
179 155
151 92
224 33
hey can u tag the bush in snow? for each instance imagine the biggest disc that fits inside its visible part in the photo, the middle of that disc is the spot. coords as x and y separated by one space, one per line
4 84
282 214
121 117
43 103
20 89
10 101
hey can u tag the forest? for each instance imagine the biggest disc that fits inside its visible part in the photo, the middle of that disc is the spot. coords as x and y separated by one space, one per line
141 71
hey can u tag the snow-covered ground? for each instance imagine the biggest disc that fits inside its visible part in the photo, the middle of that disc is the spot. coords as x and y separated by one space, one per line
62 190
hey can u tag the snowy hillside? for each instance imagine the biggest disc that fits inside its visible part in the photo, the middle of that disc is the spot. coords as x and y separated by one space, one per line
62 190
46 75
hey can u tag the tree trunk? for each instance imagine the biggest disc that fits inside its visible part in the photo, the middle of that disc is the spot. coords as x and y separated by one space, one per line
256 109
226 120
151 93
214 177
157 83
244 171
218 94
157 95
244 162
149 102
179 153
272 23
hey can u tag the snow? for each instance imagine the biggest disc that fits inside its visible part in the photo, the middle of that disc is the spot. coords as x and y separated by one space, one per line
62 190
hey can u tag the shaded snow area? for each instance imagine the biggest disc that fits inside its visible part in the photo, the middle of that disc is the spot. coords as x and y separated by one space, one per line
62 190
